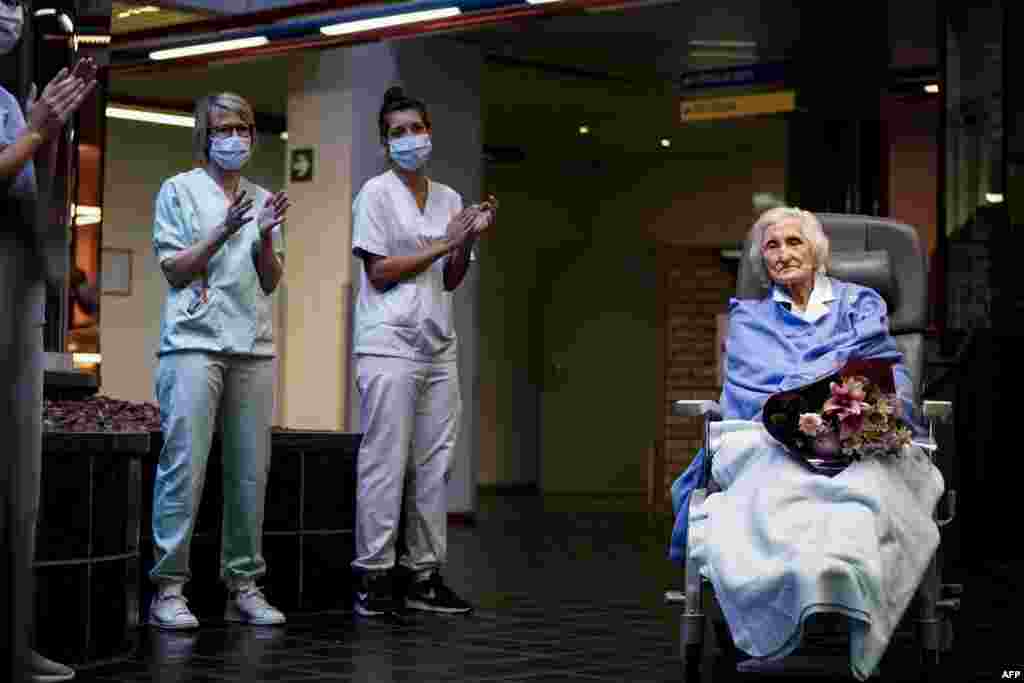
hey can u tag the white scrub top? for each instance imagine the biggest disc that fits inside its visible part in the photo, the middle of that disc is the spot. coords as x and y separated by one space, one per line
234 314
413 319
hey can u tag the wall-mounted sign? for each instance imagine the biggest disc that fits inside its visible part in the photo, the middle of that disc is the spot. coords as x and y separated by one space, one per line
302 162
713 108
732 76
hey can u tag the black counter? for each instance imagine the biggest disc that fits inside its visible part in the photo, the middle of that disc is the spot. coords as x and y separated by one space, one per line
308 533
87 546
95 547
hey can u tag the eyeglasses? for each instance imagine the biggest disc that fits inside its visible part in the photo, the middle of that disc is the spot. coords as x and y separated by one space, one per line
240 130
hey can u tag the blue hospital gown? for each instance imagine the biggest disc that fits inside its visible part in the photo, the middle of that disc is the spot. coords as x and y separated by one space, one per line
771 349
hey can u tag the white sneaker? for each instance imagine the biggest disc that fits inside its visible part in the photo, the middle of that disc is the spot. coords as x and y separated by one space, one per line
48 671
248 605
170 611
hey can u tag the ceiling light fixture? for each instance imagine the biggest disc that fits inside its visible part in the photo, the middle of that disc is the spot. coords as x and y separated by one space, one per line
722 54
87 215
994 197
94 40
665 142
724 43
147 116
584 130
284 135
932 88
206 48
360 25
45 12
137 10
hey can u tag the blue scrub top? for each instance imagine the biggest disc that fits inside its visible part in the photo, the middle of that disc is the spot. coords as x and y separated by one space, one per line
227 311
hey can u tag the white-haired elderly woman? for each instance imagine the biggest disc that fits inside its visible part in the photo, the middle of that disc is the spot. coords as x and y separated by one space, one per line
218 241
780 542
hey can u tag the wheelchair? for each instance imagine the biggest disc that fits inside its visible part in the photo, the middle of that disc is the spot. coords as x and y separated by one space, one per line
886 256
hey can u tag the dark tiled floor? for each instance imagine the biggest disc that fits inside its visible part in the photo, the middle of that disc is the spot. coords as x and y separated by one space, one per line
567 589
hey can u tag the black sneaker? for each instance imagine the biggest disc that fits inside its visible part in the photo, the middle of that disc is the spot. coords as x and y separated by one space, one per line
432 595
375 596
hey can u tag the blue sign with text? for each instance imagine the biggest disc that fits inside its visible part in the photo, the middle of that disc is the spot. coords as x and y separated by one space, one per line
749 74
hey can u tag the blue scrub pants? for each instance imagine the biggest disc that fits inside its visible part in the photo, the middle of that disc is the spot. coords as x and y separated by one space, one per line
195 390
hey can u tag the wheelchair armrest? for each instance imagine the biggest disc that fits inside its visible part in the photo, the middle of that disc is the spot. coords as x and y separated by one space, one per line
937 410
697 408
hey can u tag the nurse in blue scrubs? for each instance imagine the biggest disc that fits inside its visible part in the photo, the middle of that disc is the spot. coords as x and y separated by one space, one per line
31 252
218 241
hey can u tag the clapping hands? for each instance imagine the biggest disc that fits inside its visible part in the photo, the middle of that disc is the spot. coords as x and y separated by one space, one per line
273 213
61 97
484 214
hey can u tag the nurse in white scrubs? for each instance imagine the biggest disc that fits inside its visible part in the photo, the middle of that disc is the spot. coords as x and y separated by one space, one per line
415 240
218 240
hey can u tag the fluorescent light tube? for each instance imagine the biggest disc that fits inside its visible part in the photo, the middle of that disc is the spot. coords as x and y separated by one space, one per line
93 40
45 12
384 22
724 43
145 116
206 48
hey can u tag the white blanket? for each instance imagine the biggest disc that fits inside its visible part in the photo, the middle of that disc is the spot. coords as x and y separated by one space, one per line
781 543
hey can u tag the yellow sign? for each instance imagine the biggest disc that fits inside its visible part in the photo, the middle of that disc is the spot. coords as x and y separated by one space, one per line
713 108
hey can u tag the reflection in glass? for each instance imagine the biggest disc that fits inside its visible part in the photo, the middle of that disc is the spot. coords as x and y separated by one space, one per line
974 212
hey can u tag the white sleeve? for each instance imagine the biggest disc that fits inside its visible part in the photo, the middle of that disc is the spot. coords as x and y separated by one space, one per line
370 223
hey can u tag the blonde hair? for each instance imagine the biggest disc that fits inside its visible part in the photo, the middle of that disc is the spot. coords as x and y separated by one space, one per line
227 101
810 227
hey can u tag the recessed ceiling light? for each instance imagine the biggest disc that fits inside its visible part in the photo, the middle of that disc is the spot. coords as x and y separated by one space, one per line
932 88
584 130
994 197
385 22
284 135
206 48
665 142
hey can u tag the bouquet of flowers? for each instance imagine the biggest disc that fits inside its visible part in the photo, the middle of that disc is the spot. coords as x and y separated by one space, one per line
858 419
847 415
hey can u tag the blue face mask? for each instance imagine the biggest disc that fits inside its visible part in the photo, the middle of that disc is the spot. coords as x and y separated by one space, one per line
410 152
230 153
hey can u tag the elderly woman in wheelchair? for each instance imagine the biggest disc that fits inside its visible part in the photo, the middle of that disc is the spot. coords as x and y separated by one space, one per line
777 541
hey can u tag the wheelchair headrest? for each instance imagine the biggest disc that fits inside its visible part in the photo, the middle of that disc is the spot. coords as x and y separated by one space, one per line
868 268
875 252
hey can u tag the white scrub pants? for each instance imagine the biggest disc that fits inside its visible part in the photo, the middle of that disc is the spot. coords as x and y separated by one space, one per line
410 418
192 388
